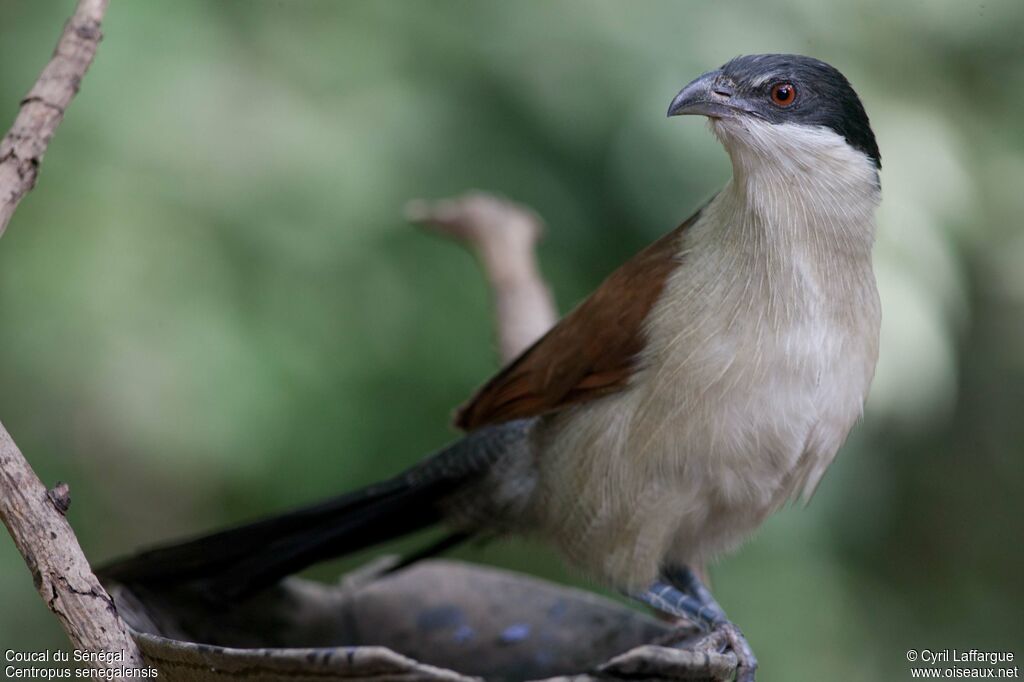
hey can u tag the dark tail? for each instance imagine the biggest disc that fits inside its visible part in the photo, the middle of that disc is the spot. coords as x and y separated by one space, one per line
236 562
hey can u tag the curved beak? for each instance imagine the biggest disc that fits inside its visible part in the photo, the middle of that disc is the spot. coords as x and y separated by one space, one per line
708 95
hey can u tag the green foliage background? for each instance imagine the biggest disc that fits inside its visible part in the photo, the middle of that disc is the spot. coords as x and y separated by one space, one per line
212 309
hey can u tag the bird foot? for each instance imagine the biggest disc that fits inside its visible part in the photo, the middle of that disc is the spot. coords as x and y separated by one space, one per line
723 638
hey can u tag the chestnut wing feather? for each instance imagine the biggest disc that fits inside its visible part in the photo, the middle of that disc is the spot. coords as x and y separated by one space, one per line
590 353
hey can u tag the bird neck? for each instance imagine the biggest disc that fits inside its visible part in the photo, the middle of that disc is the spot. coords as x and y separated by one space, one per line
792 231
801 187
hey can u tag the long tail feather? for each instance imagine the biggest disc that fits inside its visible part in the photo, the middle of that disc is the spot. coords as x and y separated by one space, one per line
239 561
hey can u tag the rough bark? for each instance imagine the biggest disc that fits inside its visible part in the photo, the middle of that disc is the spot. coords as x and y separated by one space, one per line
42 109
34 516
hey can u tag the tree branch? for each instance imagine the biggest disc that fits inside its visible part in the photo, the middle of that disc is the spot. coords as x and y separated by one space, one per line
42 109
34 516
60 571
503 236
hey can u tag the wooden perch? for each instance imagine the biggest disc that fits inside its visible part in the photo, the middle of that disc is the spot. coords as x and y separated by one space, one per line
503 236
34 516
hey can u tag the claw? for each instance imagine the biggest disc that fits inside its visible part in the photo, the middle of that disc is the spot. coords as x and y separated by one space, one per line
724 637
746 661
683 595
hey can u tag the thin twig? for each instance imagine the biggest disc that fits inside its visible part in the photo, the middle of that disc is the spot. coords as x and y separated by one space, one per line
34 516
503 235
42 109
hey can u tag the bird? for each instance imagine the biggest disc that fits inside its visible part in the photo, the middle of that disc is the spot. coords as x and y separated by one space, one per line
708 381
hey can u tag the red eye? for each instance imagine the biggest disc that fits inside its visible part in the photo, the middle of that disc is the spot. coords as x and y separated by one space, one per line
783 94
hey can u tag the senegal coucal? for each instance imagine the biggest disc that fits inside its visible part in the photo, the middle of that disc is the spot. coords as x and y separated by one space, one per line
707 381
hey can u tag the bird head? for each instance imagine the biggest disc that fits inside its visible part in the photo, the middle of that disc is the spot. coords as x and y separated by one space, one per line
781 106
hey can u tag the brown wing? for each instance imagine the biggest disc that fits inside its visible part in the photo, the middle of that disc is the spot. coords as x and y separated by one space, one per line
591 352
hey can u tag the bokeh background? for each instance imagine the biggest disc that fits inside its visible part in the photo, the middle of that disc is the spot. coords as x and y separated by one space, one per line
212 308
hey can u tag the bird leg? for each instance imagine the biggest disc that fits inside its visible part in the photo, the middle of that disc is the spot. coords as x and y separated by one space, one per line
681 593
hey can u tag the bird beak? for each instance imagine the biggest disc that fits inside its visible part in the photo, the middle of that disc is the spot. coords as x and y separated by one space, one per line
710 95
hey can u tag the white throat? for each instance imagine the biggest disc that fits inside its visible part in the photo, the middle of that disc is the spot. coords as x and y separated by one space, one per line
797 217
806 181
